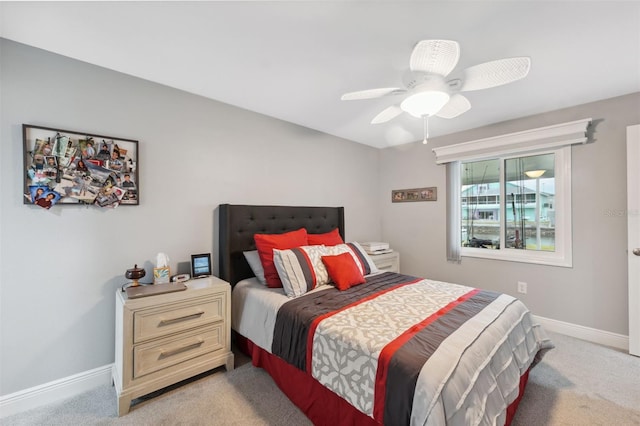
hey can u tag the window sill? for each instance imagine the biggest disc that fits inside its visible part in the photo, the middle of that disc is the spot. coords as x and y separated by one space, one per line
522 256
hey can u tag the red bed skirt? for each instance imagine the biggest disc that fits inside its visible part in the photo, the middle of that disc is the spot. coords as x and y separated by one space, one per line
320 405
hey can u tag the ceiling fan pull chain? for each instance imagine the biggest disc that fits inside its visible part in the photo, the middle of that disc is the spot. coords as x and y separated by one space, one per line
426 129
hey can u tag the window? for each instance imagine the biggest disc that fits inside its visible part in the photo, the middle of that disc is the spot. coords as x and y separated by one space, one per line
528 224
509 197
520 225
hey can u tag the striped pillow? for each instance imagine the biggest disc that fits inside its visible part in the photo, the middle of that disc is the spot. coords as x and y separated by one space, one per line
301 269
364 262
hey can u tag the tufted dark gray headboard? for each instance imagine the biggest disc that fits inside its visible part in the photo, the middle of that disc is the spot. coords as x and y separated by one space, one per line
238 224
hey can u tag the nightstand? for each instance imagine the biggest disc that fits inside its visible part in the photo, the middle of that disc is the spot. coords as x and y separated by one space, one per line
163 339
387 262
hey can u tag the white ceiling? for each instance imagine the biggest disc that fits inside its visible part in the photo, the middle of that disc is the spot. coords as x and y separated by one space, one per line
293 60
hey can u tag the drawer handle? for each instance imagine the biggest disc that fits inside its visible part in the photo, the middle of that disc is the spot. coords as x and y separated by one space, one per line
179 319
172 352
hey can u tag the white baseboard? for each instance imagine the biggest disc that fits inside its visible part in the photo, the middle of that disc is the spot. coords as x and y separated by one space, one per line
74 385
605 338
55 391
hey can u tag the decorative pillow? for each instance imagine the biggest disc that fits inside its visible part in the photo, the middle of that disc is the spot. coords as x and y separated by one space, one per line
330 238
253 259
265 243
301 269
343 270
360 256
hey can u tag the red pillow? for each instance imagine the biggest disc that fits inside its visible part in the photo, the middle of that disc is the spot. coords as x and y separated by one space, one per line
330 238
265 243
343 271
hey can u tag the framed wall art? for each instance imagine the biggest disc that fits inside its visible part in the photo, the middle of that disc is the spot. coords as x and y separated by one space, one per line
415 194
64 167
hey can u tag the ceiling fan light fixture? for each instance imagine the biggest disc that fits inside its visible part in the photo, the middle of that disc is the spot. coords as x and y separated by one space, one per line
426 103
430 91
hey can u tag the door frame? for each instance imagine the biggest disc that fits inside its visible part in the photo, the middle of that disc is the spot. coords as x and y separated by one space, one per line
633 235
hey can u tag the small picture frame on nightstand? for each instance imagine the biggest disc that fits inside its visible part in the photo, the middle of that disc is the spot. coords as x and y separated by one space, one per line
201 265
161 275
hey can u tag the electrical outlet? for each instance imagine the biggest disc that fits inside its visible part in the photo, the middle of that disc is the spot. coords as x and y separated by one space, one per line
522 287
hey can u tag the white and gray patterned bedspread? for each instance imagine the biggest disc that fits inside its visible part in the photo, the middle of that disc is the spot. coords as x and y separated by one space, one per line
404 350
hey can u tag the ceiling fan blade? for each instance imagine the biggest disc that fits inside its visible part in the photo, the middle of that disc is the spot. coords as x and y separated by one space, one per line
387 114
372 93
495 73
435 56
456 106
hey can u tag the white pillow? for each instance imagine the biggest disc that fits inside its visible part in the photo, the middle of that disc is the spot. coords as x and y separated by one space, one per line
361 257
253 259
301 269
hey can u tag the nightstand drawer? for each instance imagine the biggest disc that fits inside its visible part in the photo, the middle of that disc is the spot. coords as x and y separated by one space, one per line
152 323
387 262
385 265
157 355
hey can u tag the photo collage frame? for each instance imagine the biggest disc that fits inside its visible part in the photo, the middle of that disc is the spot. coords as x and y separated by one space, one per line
67 167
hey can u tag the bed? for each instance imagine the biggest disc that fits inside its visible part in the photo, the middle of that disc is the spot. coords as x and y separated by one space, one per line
395 350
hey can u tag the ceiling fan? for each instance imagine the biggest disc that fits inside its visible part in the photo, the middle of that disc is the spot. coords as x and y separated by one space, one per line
427 90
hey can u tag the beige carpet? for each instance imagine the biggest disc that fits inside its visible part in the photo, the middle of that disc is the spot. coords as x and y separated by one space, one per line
245 396
577 383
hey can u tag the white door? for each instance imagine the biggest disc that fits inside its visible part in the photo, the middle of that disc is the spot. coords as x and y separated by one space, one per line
633 229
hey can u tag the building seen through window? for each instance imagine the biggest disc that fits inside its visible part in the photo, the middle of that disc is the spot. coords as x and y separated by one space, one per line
512 209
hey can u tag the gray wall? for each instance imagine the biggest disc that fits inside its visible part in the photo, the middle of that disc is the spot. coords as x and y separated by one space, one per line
60 268
594 292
